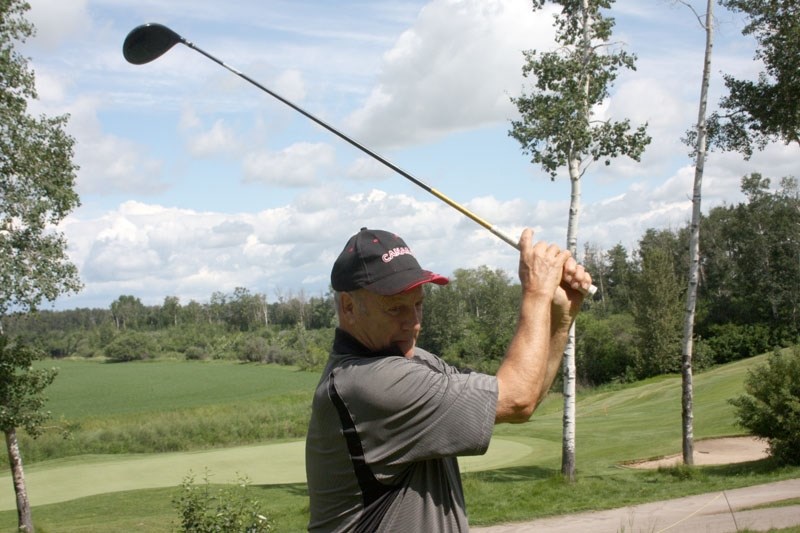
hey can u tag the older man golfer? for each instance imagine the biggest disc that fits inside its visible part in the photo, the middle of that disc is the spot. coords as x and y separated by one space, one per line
389 419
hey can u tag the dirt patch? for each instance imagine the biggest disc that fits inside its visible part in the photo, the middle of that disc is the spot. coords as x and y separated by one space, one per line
722 451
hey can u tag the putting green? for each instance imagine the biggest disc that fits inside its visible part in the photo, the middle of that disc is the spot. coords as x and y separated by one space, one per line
68 479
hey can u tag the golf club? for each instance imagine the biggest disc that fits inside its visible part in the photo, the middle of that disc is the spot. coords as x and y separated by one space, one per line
150 41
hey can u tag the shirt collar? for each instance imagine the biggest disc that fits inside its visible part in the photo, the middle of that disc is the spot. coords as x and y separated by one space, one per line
344 343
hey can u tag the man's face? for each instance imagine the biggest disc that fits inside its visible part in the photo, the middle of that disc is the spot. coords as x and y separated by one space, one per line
379 322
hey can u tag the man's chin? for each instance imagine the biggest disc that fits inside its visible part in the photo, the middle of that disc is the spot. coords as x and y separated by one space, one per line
406 348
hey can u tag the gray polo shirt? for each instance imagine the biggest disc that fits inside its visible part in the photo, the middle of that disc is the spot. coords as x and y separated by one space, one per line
384 434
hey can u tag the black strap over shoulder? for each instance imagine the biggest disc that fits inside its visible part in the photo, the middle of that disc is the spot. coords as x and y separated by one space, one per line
377 496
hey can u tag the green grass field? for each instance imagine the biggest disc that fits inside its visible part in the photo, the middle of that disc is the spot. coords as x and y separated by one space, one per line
92 389
170 406
614 426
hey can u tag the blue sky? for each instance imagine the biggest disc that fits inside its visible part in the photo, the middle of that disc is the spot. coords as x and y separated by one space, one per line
193 181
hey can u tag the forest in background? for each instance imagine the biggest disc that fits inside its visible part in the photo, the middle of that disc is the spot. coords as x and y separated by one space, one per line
748 303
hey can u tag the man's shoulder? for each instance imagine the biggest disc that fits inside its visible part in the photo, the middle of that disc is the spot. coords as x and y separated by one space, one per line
356 366
375 380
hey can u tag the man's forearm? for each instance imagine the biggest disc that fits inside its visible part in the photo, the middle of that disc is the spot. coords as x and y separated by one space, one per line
523 373
558 343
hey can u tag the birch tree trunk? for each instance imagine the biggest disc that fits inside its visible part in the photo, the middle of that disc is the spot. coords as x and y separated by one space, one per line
687 396
24 518
568 435
568 365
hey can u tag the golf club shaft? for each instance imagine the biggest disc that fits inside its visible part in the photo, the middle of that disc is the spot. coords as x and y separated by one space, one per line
452 203
363 148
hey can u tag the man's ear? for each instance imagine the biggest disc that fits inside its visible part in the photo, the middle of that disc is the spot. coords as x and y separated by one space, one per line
347 307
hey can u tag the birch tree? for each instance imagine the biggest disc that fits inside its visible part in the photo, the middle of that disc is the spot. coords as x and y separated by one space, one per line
36 192
21 406
701 135
560 128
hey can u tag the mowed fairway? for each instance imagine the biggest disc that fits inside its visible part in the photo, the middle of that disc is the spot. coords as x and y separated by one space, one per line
270 464
97 394
92 389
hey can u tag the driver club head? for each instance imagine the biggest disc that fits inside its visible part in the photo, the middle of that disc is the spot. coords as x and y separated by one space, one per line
148 42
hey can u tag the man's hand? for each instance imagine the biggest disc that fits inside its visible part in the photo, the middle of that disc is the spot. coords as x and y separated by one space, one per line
547 270
541 266
569 295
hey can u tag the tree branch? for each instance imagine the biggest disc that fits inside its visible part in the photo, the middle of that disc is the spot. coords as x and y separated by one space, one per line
696 14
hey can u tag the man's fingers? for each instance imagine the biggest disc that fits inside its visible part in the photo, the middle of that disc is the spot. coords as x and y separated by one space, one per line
526 238
552 252
576 277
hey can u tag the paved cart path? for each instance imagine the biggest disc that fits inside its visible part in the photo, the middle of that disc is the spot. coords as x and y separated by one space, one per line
717 512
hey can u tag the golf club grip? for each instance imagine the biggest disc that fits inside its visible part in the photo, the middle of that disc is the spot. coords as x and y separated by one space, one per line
498 232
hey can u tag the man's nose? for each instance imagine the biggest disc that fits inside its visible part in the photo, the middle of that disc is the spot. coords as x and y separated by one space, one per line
413 318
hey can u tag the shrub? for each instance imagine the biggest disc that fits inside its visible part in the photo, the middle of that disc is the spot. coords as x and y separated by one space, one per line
226 510
606 350
131 346
770 409
252 348
732 342
703 355
196 353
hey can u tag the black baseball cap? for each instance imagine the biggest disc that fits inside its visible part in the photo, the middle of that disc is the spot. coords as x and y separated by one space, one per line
380 262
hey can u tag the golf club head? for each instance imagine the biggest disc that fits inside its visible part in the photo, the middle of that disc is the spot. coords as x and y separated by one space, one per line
148 42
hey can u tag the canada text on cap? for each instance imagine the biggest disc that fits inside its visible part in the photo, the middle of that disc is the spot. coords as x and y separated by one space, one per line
380 262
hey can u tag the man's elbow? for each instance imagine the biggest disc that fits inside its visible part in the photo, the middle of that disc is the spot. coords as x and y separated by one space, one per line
515 412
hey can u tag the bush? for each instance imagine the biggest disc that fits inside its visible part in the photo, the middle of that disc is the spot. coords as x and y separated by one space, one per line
703 355
196 353
252 349
732 342
770 409
227 510
606 351
131 346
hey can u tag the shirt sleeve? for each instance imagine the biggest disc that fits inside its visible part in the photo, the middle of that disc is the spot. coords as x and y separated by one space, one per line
408 410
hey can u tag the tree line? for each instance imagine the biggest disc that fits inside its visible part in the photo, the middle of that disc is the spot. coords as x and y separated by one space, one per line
242 325
748 303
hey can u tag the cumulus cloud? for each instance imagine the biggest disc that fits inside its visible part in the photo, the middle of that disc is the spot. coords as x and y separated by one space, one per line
51 87
296 166
368 169
191 254
189 119
220 139
435 78
109 163
56 20
291 84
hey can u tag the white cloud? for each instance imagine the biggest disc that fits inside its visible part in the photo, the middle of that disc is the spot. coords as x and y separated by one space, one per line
435 79
291 85
109 163
220 139
57 20
368 169
51 87
159 251
296 166
189 119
